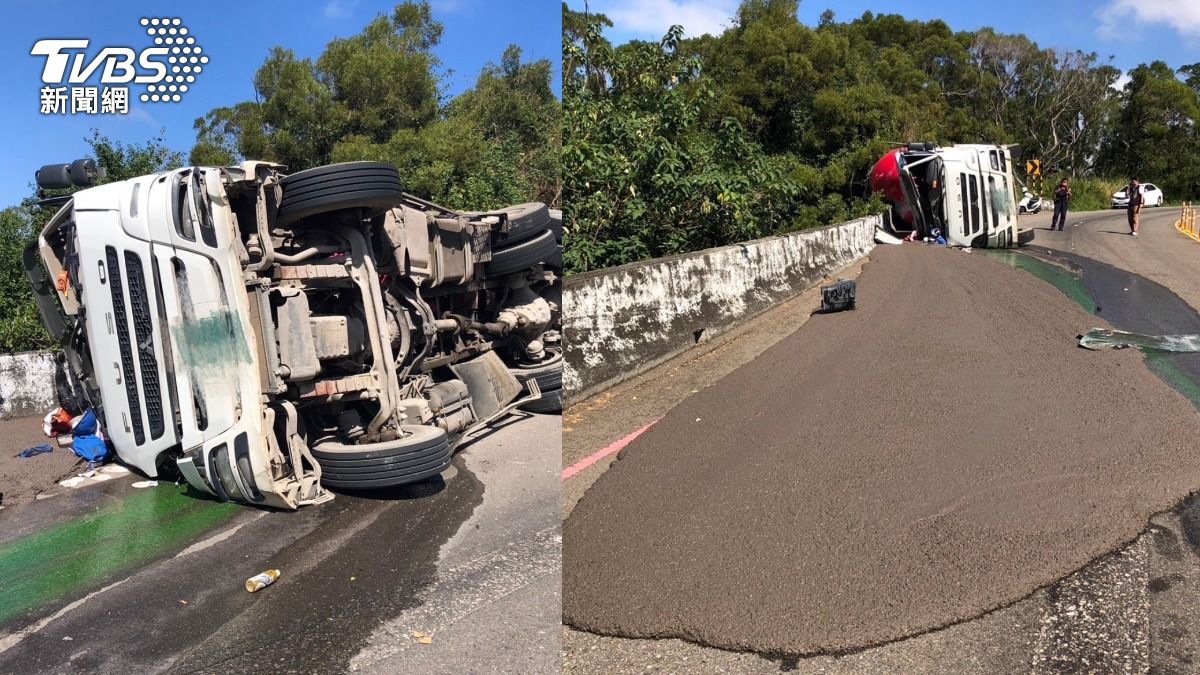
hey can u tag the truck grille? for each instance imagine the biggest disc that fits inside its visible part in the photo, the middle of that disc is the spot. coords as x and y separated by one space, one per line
139 302
118 300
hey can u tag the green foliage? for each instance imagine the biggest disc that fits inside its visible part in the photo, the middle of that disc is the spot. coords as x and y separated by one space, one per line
774 126
375 96
1154 134
20 327
1087 194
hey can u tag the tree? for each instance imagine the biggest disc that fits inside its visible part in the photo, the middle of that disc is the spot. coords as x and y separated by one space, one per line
1154 131
20 327
371 85
375 96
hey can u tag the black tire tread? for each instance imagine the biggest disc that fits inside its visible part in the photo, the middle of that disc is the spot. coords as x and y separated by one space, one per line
549 403
524 255
525 221
371 186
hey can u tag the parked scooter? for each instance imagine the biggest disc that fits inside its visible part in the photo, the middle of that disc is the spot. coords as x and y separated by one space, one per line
1030 203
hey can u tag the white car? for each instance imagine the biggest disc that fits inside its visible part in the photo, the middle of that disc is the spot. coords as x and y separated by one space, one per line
1151 196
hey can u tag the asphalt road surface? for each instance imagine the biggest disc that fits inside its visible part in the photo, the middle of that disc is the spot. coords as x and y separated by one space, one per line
107 578
1128 611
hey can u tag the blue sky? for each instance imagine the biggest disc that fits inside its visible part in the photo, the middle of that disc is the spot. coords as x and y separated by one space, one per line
1131 31
476 32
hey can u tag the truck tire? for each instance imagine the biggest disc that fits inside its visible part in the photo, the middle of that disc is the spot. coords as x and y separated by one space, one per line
548 373
550 403
523 255
422 453
556 224
373 187
524 222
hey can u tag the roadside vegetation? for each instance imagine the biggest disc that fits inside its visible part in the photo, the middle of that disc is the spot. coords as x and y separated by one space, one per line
773 126
378 95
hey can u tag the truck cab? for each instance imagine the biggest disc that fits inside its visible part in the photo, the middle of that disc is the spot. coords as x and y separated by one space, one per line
967 192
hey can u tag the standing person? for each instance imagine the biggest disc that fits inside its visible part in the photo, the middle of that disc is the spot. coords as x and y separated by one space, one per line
1134 190
1062 195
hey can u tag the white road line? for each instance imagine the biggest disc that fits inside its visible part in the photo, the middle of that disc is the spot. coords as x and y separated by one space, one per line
11 640
216 538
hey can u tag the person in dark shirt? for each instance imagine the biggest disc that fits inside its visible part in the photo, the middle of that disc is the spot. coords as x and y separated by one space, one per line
1062 196
1134 190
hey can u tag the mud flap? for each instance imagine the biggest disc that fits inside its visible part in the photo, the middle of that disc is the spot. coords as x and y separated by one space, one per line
491 384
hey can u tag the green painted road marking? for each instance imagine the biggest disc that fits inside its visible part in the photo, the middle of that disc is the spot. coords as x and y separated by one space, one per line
88 550
1160 363
1057 276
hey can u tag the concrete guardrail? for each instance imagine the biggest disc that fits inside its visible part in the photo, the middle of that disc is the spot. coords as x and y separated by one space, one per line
621 321
27 384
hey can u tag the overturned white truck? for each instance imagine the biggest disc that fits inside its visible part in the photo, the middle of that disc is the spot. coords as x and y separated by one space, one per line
966 192
269 335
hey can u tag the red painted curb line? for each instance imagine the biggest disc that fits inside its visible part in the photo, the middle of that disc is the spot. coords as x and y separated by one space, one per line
611 449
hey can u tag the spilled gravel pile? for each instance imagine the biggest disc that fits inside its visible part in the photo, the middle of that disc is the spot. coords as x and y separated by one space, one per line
941 451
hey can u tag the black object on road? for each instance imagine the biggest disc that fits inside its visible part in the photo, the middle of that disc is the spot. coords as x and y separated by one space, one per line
838 296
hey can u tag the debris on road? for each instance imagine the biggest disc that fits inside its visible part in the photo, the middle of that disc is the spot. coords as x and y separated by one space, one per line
34 451
260 581
56 422
88 442
22 479
883 237
422 638
145 484
1104 338
839 296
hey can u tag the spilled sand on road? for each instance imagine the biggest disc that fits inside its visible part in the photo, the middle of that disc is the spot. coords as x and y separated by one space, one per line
22 479
942 451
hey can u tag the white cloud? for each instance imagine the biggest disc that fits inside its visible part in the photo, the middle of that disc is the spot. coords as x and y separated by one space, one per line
1119 17
1123 80
140 114
652 18
339 9
449 6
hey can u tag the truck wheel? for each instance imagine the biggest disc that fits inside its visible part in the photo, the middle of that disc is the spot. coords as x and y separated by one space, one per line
549 403
524 222
371 186
556 224
423 452
548 373
523 255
